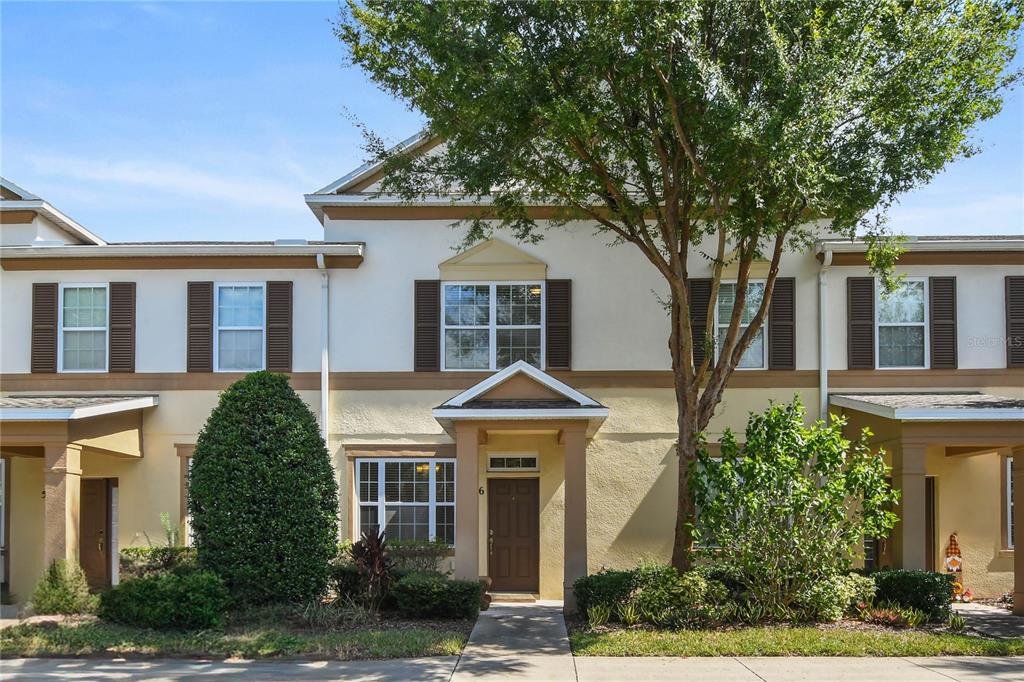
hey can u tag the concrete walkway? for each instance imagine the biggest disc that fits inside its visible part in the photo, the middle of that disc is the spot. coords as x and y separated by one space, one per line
585 669
991 621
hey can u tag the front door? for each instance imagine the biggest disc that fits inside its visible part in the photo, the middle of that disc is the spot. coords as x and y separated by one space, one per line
513 534
94 532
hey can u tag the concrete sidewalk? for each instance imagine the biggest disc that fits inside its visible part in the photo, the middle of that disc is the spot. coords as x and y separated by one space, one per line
539 667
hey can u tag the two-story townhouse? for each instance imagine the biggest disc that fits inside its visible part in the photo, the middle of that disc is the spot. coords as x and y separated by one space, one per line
513 400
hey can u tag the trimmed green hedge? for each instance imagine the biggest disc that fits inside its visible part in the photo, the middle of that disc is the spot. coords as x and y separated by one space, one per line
262 494
432 595
926 591
165 600
139 562
604 588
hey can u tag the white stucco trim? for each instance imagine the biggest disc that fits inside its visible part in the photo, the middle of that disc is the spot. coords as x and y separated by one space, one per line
184 249
45 209
66 413
930 414
520 367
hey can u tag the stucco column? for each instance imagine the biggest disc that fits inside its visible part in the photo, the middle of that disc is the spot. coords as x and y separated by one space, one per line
63 483
575 558
909 535
1018 531
467 503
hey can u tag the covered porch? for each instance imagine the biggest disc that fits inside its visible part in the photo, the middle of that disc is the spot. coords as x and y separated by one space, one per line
52 507
521 488
954 457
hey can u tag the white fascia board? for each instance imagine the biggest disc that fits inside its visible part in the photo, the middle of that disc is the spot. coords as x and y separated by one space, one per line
143 250
407 145
541 413
923 244
68 413
520 367
47 210
20 191
930 414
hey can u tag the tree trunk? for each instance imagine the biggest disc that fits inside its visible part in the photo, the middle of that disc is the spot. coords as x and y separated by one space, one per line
686 444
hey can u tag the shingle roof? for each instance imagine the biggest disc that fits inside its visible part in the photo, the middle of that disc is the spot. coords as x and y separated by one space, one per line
933 406
43 407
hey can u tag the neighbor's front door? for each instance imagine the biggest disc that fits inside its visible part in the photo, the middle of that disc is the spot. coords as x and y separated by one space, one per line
94 531
513 534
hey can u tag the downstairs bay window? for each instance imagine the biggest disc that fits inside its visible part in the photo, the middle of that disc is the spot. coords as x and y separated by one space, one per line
408 499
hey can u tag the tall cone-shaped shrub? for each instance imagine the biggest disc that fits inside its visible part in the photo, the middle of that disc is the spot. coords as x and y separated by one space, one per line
262 494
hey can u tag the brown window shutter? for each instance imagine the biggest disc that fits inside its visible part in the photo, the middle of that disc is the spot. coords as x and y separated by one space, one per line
1015 321
700 297
200 327
558 324
279 326
44 326
942 321
427 326
860 322
782 325
122 327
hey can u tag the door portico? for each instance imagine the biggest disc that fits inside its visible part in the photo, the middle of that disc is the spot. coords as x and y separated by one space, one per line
521 404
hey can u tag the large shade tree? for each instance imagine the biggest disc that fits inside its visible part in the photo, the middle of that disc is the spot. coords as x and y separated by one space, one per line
729 131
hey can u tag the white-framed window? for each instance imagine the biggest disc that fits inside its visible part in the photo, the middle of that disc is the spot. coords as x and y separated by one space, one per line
84 327
513 461
1009 503
756 355
411 499
239 320
490 325
901 326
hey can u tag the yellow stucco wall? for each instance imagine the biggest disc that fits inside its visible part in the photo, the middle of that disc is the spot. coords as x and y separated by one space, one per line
969 503
26 525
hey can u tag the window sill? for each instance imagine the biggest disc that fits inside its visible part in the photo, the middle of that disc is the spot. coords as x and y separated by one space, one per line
1006 553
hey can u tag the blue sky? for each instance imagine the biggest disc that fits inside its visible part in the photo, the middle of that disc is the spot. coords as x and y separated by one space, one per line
168 121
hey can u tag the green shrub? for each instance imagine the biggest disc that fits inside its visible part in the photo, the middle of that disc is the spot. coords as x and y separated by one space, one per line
666 597
419 556
925 591
598 615
345 581
262 494
604 588
139 562
785 506
165 600
432 595
63 589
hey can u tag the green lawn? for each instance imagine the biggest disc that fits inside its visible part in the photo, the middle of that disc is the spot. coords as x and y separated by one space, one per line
787 641
252 641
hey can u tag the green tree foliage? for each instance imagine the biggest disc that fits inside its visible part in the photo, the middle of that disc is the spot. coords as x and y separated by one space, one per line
262 494
787 510
696 130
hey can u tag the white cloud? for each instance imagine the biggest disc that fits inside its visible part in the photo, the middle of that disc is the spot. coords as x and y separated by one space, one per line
173 178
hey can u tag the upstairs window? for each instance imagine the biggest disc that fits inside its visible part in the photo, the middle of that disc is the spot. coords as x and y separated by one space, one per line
83 328
901 324
239 318
489 326
756 355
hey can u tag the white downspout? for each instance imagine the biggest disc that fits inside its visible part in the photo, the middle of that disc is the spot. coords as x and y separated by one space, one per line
325 338
826 261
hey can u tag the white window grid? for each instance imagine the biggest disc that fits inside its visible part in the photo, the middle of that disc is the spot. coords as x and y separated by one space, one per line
381 503
60 325
493 325
743 327
923 324
217 328
513 455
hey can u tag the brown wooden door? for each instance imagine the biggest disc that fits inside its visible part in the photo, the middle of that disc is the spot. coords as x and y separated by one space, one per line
94 532
513 534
